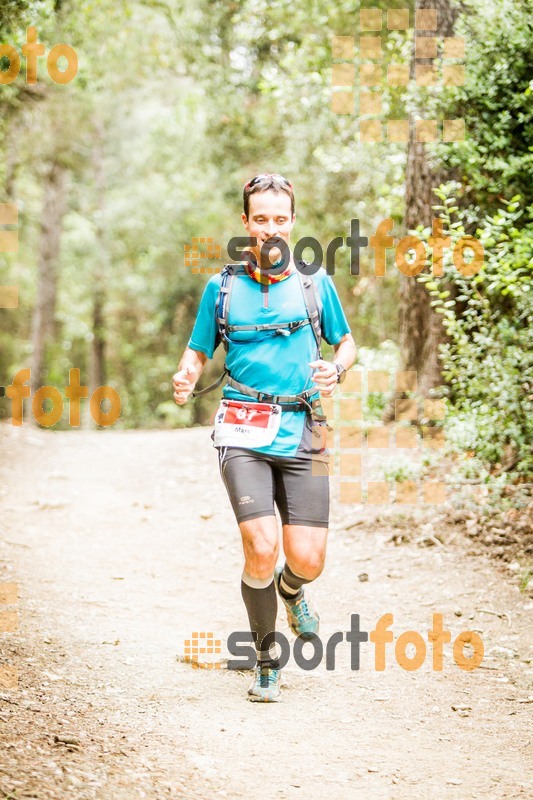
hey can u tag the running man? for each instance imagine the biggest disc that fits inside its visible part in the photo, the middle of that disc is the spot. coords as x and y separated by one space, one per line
266 451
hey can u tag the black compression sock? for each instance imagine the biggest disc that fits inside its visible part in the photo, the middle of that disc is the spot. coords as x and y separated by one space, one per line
290 584
261 604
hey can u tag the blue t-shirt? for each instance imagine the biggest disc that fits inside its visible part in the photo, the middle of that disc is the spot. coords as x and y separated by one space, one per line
266 361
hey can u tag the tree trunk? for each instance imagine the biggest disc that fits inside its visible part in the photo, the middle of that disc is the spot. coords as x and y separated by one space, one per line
97 357
98 370
12 162
54 206
421 329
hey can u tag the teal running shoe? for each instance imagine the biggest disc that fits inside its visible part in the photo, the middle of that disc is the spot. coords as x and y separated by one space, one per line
302 616
265 685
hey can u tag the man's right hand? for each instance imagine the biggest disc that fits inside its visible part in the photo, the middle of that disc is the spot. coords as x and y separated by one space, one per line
184 382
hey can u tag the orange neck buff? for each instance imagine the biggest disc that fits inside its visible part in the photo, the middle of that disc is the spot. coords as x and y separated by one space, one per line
255 272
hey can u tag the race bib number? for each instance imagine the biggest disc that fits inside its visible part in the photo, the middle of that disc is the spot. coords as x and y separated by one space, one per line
239 424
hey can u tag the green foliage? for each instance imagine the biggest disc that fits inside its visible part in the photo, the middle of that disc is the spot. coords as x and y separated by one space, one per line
488 358
385 358
402 470
179 104
13 13
525 577
496 160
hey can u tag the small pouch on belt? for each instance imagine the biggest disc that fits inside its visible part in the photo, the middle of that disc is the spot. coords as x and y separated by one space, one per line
317 414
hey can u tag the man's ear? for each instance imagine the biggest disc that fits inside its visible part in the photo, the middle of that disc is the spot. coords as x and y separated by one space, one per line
244 219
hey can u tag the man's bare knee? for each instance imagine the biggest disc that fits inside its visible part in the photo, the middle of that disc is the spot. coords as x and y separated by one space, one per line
261 546
307 565
305 549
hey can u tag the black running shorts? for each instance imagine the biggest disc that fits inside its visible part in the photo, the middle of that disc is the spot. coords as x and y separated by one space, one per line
255 481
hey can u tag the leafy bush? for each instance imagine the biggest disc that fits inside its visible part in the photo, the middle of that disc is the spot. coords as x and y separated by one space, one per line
488 317
495 159
401 470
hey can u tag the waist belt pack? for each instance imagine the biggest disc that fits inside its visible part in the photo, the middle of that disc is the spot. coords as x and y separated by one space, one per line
313 306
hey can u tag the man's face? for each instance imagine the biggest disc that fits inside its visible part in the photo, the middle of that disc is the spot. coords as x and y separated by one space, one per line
269 215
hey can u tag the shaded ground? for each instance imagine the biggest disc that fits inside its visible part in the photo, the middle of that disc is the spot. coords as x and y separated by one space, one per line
123 543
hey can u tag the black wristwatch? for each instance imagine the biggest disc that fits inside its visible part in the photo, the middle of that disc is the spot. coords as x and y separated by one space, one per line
341 373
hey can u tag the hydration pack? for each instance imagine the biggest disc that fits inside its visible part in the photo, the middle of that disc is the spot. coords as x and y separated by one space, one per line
313 306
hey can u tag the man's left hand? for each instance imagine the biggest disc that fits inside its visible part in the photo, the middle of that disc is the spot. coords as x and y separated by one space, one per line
325 377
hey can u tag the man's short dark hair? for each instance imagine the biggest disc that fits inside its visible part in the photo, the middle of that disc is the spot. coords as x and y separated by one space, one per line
264 183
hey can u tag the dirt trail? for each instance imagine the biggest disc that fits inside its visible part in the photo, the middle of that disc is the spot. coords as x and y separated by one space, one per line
122 543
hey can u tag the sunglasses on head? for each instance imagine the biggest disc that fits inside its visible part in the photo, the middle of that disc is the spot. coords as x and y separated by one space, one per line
266 175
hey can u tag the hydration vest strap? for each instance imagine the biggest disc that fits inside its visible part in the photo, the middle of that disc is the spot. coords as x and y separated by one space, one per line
264 397
228 272
211 387
285 328
313 307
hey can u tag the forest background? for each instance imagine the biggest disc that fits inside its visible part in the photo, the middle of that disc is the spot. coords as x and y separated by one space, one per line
175 105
